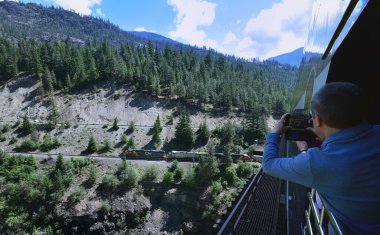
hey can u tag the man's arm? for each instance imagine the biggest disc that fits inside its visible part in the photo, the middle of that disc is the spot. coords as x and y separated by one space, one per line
296 169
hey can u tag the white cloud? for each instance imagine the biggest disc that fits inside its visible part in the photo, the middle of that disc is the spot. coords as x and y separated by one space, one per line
100 13
230 37
79 6
191 15
142 29
277 30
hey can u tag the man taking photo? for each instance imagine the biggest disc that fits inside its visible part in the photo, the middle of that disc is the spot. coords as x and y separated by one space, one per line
345 169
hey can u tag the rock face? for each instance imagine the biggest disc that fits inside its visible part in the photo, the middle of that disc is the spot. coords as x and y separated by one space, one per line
114 215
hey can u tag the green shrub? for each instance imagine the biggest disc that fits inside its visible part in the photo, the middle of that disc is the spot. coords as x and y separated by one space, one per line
151 173
27 145
174 166
76 196
189 181
2 137
216 188
5 128
244 169
105 207
178 174
92 176
128 175
207 169
49 143
231 176
168 178
107 147
109 184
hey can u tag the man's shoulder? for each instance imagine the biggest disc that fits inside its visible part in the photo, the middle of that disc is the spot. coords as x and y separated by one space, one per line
376 128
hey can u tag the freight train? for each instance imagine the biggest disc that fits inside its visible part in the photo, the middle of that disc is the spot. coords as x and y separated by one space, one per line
184 155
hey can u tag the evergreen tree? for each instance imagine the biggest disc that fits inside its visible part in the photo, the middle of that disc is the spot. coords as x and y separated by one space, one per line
156 138
124 139
184 136
26 127
107 147
115 125
59 164
157 125
203 133
131 127
92 176
91 148
131 144
92 72
47 81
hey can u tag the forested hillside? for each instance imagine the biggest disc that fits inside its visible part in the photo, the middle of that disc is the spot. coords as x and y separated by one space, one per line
68 52
45 40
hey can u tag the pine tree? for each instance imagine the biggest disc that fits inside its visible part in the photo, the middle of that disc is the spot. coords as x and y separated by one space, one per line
47 81
184 136
124 139
130 144
203 133
92 72
157 125
91 148
115 125
68 83
59 164
156 138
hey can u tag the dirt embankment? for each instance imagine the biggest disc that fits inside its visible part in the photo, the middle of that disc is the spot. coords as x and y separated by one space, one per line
98 106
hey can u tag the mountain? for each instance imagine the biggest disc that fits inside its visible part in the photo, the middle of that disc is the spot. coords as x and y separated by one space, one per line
153 37
293 58
51 24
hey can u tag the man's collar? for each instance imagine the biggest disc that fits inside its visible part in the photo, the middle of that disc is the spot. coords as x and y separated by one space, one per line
347 133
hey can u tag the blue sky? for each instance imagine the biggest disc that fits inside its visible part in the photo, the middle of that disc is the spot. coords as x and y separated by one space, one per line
245 28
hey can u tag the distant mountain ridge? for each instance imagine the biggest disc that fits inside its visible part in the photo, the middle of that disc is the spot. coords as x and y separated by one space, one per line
292 58
153 36
32 21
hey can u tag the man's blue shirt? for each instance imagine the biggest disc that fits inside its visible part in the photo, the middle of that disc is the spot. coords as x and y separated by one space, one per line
345 171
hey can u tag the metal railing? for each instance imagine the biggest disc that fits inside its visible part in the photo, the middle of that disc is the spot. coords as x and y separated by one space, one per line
319 223
235 215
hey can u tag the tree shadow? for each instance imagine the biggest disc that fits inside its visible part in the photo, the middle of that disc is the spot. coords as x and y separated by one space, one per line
150 146
199 143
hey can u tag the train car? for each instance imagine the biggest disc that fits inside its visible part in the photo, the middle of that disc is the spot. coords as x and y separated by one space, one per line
186 155
257 158
141 153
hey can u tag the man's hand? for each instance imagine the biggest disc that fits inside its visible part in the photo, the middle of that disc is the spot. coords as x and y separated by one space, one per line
320 137
279 128
302 145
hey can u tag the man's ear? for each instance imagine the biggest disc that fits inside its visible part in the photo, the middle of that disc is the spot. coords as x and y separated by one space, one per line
318 120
